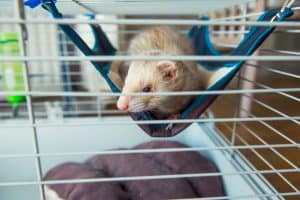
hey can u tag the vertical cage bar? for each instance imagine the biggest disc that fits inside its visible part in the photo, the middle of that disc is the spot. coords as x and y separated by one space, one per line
99 107
68 102
243 8
250 73
20 13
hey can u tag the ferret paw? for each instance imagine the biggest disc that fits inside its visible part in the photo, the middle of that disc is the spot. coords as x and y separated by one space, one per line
172 117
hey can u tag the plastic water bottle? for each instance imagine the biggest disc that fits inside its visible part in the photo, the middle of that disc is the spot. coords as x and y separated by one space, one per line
12 71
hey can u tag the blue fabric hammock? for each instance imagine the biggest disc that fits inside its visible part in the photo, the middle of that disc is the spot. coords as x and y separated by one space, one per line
199 35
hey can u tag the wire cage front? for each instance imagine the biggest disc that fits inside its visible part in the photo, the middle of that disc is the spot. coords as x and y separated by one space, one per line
250 133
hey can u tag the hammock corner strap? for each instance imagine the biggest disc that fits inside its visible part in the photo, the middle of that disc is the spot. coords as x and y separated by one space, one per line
199 35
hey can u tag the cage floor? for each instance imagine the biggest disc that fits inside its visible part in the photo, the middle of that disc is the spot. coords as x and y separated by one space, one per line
67 139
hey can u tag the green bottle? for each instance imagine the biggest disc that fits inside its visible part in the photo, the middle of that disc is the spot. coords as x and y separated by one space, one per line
12 71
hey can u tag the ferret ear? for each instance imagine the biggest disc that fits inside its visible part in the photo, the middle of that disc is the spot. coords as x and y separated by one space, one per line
168 69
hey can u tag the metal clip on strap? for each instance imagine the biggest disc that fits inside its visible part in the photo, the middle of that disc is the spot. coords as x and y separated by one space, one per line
287 4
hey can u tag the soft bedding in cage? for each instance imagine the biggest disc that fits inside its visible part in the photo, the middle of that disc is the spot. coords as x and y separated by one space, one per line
138 164
68 143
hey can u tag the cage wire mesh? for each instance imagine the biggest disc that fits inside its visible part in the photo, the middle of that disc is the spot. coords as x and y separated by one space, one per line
254 123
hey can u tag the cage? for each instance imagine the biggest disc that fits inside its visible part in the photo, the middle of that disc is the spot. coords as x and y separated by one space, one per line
66 111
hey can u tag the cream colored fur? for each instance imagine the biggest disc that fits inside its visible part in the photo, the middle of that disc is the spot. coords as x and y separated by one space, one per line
161 41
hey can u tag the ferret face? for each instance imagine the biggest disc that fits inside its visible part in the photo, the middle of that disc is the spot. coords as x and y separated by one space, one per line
146 77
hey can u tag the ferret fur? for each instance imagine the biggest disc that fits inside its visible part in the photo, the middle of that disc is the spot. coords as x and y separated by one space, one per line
160 76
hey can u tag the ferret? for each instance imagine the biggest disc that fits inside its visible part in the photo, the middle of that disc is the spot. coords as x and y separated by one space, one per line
160 76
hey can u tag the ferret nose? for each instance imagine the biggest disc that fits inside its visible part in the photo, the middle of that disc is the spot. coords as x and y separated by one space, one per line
122 106
122 103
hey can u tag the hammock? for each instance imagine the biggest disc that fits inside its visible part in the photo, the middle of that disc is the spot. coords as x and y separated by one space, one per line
199 35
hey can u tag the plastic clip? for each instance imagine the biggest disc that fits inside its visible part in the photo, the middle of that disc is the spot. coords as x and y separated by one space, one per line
35 3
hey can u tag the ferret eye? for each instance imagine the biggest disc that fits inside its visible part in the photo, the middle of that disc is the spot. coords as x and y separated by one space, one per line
146 89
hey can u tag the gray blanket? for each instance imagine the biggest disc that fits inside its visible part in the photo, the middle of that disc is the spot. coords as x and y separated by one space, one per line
142 164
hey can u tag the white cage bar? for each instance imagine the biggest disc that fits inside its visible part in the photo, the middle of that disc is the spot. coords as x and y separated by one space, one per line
253 131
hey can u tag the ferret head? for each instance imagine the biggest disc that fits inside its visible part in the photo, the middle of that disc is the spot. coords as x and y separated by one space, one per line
149 76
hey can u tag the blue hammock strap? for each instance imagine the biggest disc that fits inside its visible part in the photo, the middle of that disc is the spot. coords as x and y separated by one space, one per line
256 35
247 46
102 45
199 37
